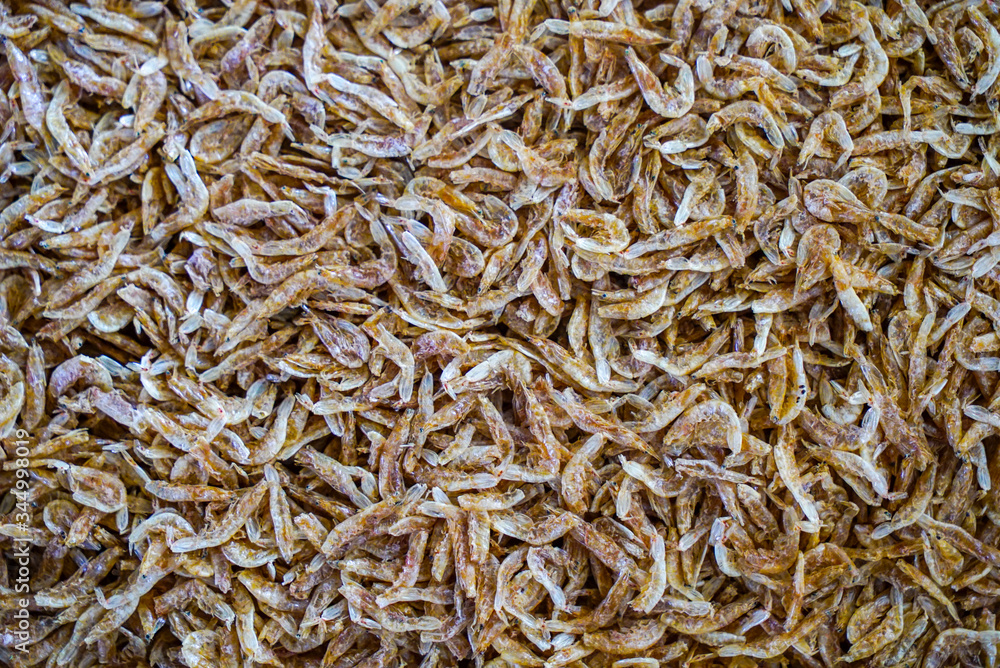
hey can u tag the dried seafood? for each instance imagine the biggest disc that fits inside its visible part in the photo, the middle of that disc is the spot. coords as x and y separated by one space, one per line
434 333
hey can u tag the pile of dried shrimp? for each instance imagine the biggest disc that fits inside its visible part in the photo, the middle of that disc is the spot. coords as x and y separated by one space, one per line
524 333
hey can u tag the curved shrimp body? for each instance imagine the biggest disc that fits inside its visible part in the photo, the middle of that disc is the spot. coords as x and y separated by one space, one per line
543 70
764 36
61 132
746 111
605 31
841 71
943 27
32 97
876 70
991 72
758 67
655 94
934 85
828 126
723 89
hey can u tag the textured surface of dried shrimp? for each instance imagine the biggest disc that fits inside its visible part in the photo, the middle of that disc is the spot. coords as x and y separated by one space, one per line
527 332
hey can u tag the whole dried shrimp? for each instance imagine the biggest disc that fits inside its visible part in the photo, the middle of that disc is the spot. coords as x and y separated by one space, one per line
440 333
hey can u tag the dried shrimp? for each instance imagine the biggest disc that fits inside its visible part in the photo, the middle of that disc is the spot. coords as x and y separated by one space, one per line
591 333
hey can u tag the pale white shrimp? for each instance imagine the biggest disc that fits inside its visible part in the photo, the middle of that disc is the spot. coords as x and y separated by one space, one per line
987 127
919 18
61 131
651 593
32 96
725 89
876 70
667 105
702 184
760 68
784 461
537 556
373 97
747 111
400 354
764 36
415 253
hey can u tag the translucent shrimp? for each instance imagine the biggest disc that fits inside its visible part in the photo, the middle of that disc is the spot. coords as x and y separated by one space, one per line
915 506
833 202
827 126
183 62
575 474
950 640
776 645
605 31
875 72
610 234
883 634
724 89
935 85
89 80
784 460
118 22
764 36
839 77
651 593
666 105
758 67
235 101
30 90
746 111
705 421
238 514
543 70
703 184
633 638
400 354
593 423
545 172
883 141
